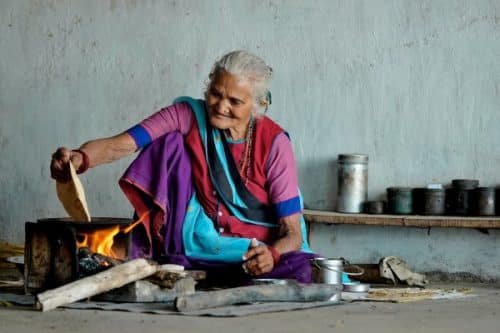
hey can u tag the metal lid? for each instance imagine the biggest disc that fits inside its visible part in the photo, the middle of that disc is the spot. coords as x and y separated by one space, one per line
353 158
465 184
485 189
328 262
396 189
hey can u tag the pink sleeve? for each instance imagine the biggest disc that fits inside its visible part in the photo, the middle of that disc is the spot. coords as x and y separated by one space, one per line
176 117
281 172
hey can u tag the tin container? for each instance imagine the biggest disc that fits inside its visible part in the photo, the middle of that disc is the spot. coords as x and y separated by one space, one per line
419 200
458 201
328 270
497 194
434 201
352 182
374 207
459 198
484 201
400 200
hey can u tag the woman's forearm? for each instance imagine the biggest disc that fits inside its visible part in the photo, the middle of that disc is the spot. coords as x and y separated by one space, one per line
110 149
290 235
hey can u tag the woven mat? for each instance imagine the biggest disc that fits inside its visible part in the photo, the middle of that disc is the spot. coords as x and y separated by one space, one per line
403 295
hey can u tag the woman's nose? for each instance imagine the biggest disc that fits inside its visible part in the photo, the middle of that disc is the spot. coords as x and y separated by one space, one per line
222 107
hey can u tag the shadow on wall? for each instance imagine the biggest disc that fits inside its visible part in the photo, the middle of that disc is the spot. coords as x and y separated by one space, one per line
318 183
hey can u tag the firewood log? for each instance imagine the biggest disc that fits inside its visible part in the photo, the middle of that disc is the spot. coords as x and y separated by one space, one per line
291 292
112 278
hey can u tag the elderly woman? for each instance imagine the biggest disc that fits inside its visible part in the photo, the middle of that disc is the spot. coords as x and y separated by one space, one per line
215 184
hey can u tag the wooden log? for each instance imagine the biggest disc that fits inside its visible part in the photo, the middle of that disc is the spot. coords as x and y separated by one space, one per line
167 279
144 291
112 278
111 261
291 292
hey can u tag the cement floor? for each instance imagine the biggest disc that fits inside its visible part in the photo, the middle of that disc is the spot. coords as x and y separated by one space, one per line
474 314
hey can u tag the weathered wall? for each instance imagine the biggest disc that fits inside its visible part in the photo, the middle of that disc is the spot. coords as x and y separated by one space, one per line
461 253
414 84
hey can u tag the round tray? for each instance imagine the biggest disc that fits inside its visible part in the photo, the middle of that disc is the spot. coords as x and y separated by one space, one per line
356 287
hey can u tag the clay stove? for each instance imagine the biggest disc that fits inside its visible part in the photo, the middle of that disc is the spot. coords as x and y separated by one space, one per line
58 251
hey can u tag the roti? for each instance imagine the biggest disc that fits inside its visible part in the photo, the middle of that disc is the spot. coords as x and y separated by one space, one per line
72 196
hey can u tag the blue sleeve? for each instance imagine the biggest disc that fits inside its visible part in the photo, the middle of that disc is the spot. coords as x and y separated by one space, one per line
140 136
288 207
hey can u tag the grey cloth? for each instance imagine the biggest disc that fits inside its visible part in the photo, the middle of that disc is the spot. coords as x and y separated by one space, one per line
227 311
395 268
168 307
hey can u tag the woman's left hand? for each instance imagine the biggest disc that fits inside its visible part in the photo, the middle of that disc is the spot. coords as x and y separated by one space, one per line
259 259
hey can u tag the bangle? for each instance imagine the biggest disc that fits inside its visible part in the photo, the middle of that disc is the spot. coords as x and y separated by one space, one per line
85 161
276 255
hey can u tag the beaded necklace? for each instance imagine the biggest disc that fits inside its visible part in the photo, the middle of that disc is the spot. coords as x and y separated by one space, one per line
245 160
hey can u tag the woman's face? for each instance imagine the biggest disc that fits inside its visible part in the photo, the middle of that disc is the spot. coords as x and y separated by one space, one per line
230 103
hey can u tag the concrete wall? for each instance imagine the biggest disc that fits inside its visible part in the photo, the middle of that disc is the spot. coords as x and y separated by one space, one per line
462 254
414 84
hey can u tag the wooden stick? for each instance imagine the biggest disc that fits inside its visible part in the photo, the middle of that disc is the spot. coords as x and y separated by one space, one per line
264 293
112 278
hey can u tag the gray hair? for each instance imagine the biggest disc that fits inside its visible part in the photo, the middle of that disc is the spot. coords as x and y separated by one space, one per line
247 66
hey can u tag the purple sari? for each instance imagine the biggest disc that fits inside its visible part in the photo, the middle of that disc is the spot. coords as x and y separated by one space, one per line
158 184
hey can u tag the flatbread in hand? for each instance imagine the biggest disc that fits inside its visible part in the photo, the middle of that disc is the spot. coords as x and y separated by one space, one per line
72 197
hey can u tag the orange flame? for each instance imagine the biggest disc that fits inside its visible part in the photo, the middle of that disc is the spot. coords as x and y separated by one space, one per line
101 241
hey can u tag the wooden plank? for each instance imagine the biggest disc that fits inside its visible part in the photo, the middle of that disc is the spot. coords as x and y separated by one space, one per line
317 216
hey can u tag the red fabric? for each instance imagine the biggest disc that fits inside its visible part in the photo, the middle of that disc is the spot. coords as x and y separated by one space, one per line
264 133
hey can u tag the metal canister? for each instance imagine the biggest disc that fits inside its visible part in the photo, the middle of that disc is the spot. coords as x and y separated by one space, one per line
459 197
434 201
352 182
400 200
484 201
328 270
498 201
458 201
419 200
374 207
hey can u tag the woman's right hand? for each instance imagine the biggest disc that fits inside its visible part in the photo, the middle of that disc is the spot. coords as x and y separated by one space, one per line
59 166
